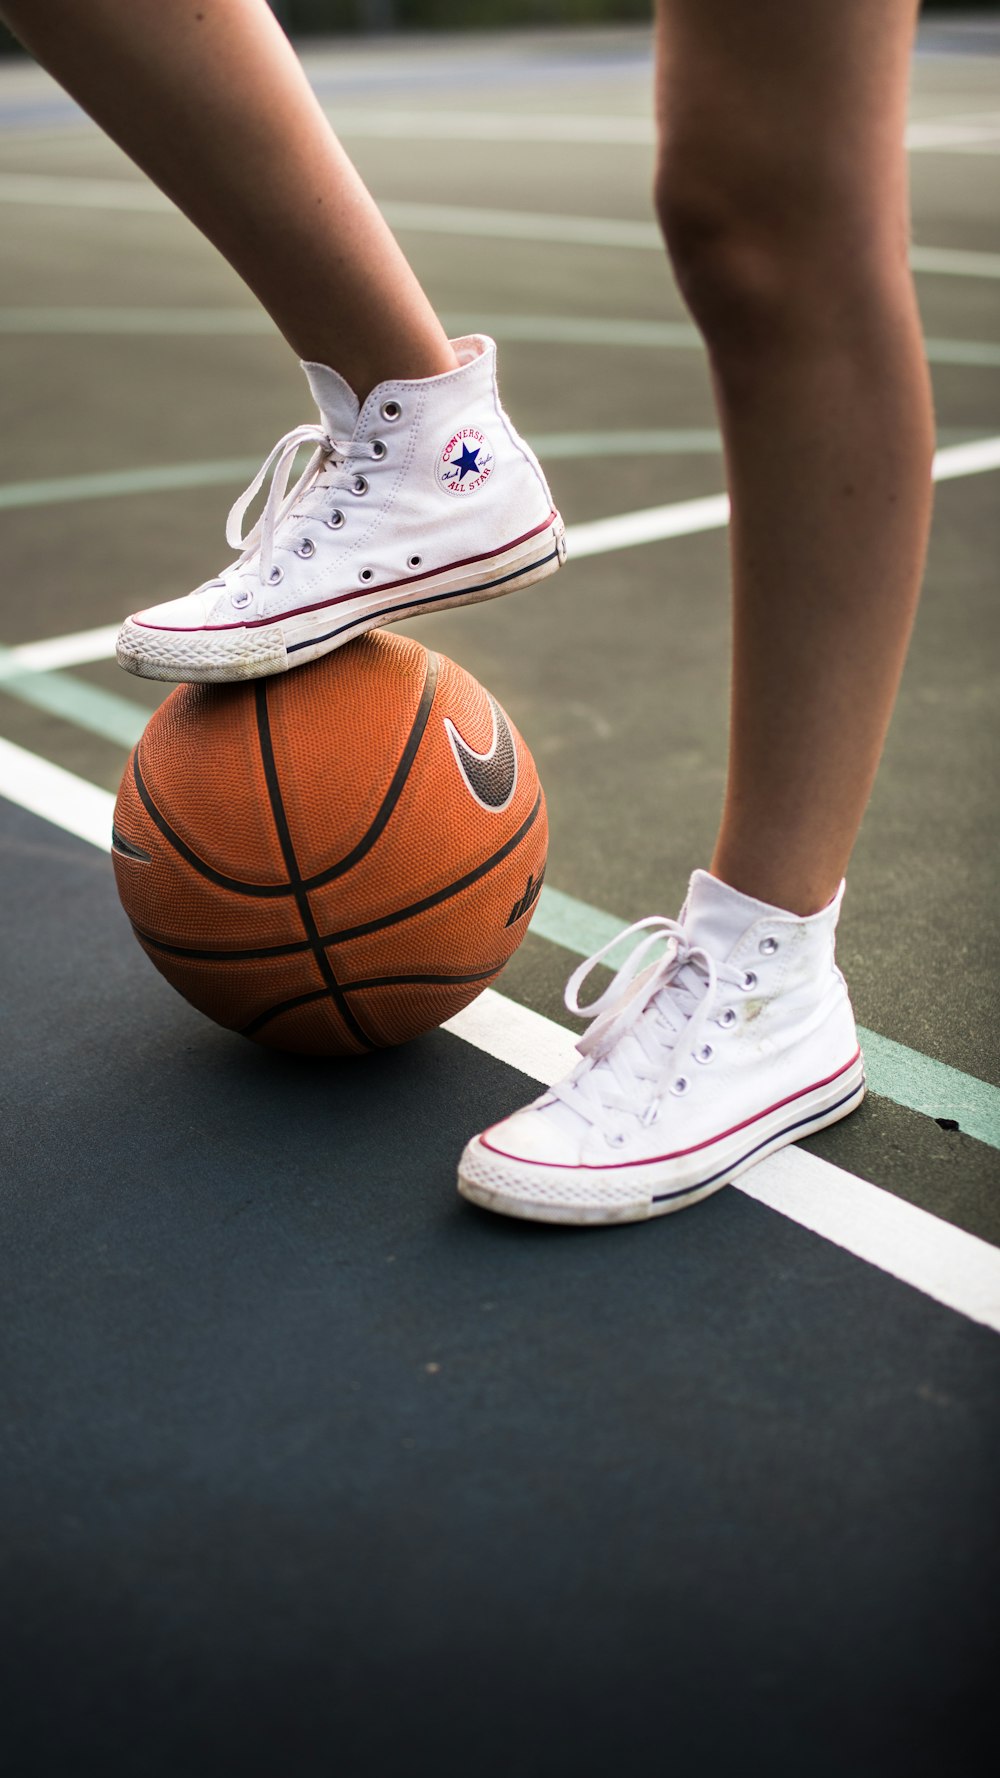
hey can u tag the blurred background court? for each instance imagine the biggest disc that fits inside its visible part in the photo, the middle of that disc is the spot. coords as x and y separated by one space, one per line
310 1468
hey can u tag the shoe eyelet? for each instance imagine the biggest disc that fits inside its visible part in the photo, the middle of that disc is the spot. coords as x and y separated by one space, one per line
366 575
749 981
414 561
276 576
615 1139
705 1054
680 1086
391 410
768 946
241 599
379 450
359 485
727 1019
336 519
305 548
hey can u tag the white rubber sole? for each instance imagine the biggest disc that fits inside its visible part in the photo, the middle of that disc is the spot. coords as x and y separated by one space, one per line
253 651
587 1197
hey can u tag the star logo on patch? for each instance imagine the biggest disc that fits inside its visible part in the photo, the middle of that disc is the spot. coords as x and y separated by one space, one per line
466 462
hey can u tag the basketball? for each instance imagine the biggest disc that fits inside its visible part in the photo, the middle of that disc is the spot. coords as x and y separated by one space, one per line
335 859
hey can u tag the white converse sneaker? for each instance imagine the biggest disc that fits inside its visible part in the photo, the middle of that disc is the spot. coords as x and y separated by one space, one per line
738 1040
423 498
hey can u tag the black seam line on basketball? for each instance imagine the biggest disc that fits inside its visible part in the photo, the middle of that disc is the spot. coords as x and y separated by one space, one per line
291 864
364 845
158 944
394 791
402 981
435 599
267 890
273 1012
385 981
417 907
431 901
662 1197
206 956
120 844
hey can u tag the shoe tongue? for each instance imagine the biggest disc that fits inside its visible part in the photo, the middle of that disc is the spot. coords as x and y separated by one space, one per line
716 916
338 405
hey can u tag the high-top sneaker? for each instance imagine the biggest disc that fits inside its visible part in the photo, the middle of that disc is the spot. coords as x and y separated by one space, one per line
422 498
739 1039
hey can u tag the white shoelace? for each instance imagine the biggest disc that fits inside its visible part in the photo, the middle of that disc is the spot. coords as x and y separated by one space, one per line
646 1025
333 452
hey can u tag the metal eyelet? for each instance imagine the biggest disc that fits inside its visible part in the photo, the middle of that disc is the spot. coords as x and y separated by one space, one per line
727 1019
241 599
680 1086
749 981
379 449
305 548
391 410
276 576
366 575
414 561
616 1139
336 519
768 946
705 1054
359 485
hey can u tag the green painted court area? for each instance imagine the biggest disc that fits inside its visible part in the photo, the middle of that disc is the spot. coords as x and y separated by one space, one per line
308 1469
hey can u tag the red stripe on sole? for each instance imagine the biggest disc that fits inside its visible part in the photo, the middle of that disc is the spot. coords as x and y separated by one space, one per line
676 1154
259 623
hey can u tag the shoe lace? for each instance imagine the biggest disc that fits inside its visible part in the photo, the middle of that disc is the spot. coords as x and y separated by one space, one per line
328 453
648 1019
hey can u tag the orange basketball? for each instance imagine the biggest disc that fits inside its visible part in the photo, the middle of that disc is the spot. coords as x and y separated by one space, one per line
337 858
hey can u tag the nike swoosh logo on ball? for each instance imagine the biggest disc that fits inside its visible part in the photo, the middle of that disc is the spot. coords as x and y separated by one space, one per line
491 777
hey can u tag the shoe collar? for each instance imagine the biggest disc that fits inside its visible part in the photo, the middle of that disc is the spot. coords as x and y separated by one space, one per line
717 917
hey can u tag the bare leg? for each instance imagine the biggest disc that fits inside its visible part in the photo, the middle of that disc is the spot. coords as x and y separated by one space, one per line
782 192
208 97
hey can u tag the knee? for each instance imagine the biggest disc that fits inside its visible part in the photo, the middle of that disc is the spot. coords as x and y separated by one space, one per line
764 256
716 247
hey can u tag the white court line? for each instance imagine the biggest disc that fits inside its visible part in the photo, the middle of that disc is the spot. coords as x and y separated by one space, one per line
558 330
58 796
685 517
955 1268
944 1262
649 524
74 650
954 262
964 132
972 132
83 193
494 126
448 219
935 1257
973 458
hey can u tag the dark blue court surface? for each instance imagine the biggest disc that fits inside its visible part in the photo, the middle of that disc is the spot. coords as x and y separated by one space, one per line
312 1468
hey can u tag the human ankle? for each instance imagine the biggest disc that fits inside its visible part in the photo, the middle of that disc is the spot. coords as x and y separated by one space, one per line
362 375
804 893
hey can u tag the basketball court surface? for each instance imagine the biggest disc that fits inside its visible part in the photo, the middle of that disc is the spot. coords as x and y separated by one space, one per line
309 1467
